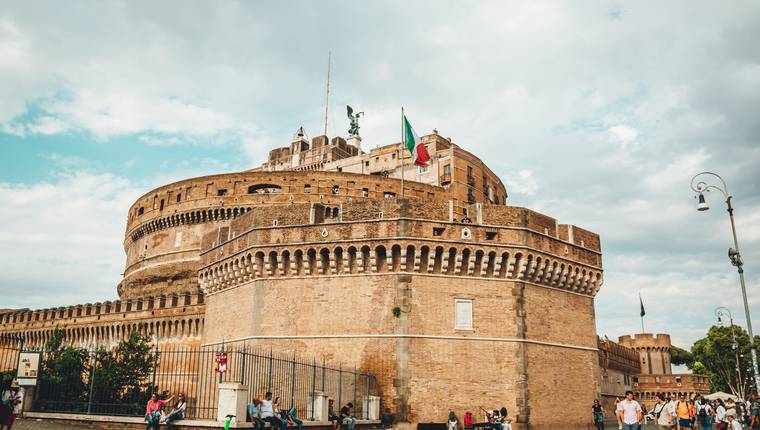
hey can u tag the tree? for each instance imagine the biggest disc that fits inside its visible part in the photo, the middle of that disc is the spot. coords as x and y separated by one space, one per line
716 357
121 375
62 376
680 356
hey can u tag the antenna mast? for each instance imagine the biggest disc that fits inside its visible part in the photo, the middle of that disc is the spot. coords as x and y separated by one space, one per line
327 90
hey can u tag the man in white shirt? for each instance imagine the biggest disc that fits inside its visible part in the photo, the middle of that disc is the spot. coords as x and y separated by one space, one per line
629 412
663 413
733 423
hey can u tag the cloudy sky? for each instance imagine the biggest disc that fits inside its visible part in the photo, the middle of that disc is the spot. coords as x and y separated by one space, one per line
597 113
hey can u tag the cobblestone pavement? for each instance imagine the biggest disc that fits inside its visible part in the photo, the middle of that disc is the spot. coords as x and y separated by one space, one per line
34 424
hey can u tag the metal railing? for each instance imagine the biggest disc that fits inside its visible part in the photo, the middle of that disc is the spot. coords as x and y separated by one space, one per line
295 381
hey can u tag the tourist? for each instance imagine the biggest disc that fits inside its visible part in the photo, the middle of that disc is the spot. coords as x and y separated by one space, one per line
663 416
13 397
292 418
387 419
682 411
673 412
254 411
506 422
153 411
733 423
331 415
347 416
598 412
705 414
267 411
754 411
620 423
453 423
692 412
721 421
629 412
177 412
280 415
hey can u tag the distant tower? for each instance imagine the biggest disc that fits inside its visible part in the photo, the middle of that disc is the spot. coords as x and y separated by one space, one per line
300 143
654 352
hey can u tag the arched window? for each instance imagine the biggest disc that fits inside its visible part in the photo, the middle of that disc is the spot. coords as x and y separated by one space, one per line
264 189
141 211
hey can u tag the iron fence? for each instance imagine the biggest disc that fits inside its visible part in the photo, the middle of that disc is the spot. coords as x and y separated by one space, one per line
192 371
10 347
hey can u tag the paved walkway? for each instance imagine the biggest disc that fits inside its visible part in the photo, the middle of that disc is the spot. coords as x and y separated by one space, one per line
33 424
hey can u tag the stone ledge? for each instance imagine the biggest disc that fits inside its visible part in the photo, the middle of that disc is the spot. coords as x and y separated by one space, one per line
107 421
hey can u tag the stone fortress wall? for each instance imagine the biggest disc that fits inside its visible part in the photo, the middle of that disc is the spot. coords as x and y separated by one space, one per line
287 278
172 319
653 349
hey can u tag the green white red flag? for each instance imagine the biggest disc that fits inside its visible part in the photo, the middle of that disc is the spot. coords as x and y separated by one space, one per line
415 146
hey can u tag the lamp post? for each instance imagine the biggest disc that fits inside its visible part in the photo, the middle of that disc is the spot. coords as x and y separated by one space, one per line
721 313
700 187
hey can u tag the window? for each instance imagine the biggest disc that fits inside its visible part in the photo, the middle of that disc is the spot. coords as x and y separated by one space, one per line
340 169
221 192
179 198
141 211
366 163
335 189
491 235
393 155
447 170
389 195
463 310
365 192
438 231
162 205
422 170
264 189
307 188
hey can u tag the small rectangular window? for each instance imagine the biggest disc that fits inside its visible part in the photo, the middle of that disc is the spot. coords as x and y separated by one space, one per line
423 170
179 198
389 195
162 205
366 163
221 192
393 155
307 188
491 235
365 192
438 231
463 310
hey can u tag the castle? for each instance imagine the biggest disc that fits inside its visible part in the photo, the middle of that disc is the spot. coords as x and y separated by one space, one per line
450 297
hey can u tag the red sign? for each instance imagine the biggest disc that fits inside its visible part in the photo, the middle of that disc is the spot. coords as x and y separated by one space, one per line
220 364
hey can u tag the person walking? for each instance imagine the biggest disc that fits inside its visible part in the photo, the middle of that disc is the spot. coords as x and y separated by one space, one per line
733 423
598 413
13 397
629 412
682 411
705 415
721 421
663 414
177 412
620 423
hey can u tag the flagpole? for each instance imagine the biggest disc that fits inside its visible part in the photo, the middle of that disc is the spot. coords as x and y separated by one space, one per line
403 150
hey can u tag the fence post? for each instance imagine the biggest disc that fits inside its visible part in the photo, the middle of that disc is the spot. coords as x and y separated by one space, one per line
155 368
356 405
242 367
92 383
323 375
340 385
269 383
366 413
313 386
293 382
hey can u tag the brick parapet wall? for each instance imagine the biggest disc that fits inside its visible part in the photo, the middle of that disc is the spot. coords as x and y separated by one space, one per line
171 318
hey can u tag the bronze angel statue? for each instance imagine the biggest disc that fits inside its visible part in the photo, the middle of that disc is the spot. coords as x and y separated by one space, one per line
354 130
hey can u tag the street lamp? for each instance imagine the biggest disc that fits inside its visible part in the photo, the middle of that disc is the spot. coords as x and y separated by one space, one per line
700 187
721 313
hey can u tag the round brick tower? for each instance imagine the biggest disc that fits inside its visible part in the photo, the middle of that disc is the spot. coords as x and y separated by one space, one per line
654 352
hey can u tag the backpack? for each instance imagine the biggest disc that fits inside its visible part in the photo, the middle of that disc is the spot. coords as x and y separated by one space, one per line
468 419
703 411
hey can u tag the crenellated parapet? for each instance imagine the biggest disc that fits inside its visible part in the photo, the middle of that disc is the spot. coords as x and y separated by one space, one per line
386 237
653 349
170 318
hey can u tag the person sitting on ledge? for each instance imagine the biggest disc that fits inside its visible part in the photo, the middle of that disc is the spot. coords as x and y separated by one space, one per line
254 411
347 417
331 416
178 412
153 411
387 419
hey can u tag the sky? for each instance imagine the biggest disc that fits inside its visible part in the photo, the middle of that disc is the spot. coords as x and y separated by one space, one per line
596 113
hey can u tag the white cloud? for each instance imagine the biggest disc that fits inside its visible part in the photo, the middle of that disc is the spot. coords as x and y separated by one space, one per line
61 241
624 134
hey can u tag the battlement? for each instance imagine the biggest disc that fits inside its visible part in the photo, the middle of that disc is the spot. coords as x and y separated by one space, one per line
646 340
10 317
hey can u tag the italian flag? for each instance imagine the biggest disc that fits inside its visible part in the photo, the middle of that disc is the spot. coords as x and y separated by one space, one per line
414 145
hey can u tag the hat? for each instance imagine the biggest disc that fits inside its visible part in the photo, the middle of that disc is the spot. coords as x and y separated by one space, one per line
15 384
